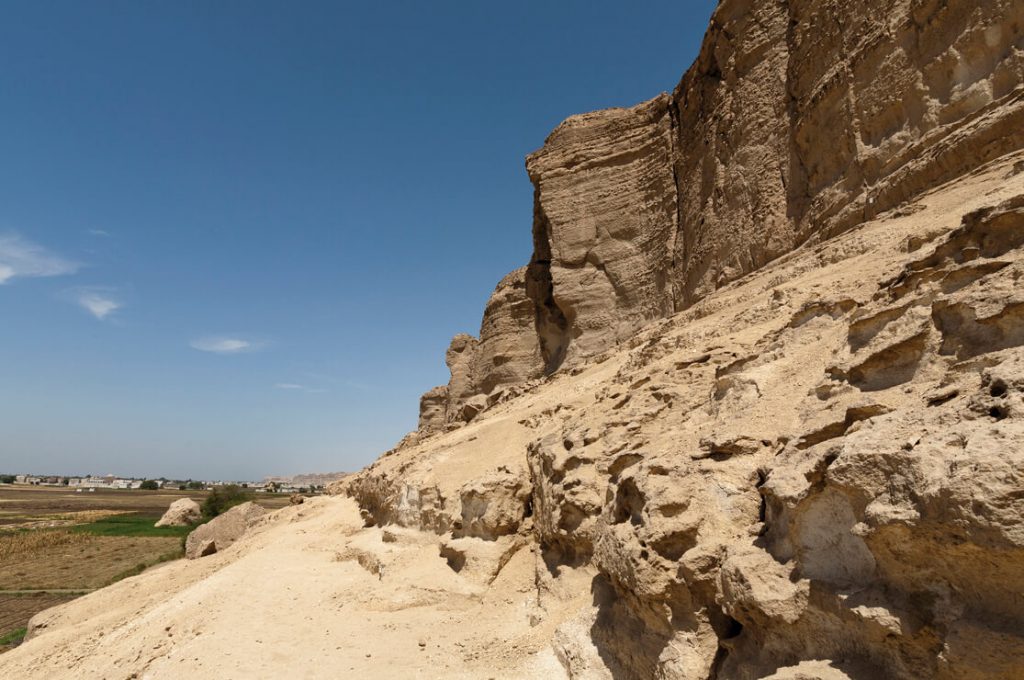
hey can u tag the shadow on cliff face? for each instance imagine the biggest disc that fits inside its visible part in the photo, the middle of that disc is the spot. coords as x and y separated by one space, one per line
639 639
552 324
629 635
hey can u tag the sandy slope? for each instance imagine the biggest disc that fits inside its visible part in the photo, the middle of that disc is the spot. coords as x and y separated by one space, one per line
293 600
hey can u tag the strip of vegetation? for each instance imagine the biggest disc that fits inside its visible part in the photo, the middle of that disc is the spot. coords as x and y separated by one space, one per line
15 637
143 566
129 525
223 498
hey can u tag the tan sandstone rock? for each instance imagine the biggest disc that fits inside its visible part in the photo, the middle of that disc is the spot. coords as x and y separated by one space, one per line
433 410
223 530
797 121
813 474
461 361
182 512
508 353
605 221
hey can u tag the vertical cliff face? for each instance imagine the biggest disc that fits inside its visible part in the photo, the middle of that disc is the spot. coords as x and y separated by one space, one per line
606 207
509 353
798 120
732 151
889 99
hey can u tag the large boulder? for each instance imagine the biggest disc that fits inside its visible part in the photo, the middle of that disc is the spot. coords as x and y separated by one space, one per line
493 505
222 531
182 512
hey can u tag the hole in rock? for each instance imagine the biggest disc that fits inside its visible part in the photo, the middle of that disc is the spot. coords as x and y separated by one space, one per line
571 517
456 560
629 504
997 389
673 546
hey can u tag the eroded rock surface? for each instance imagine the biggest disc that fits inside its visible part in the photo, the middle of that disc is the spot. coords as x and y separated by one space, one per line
814 472
778 320
605 217
798 121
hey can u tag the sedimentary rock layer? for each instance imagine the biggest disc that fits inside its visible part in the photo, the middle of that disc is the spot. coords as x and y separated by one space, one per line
798 120
814 472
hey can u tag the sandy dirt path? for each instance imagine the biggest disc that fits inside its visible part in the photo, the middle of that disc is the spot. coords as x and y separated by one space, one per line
299 598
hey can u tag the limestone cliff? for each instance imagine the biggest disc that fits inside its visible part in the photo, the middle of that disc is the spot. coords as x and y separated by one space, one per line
815 472
756 391
798 120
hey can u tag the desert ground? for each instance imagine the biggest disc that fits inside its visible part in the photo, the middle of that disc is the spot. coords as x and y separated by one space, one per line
359 602
57 544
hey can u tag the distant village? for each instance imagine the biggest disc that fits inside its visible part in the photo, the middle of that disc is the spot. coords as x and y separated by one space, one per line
298 484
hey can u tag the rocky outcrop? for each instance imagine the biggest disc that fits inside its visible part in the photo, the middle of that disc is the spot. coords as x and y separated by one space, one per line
798 120
181 513
433 410
223 530
506 354
812 473
791 290
605 223
492 506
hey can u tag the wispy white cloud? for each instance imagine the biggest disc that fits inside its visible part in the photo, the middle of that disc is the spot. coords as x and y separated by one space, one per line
98 232
21 257
225 345
299 388
98 303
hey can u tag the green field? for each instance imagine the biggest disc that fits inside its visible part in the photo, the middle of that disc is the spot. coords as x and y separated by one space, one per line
128 525
13 638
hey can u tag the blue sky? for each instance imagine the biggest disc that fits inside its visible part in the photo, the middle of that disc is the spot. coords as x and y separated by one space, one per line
236 237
